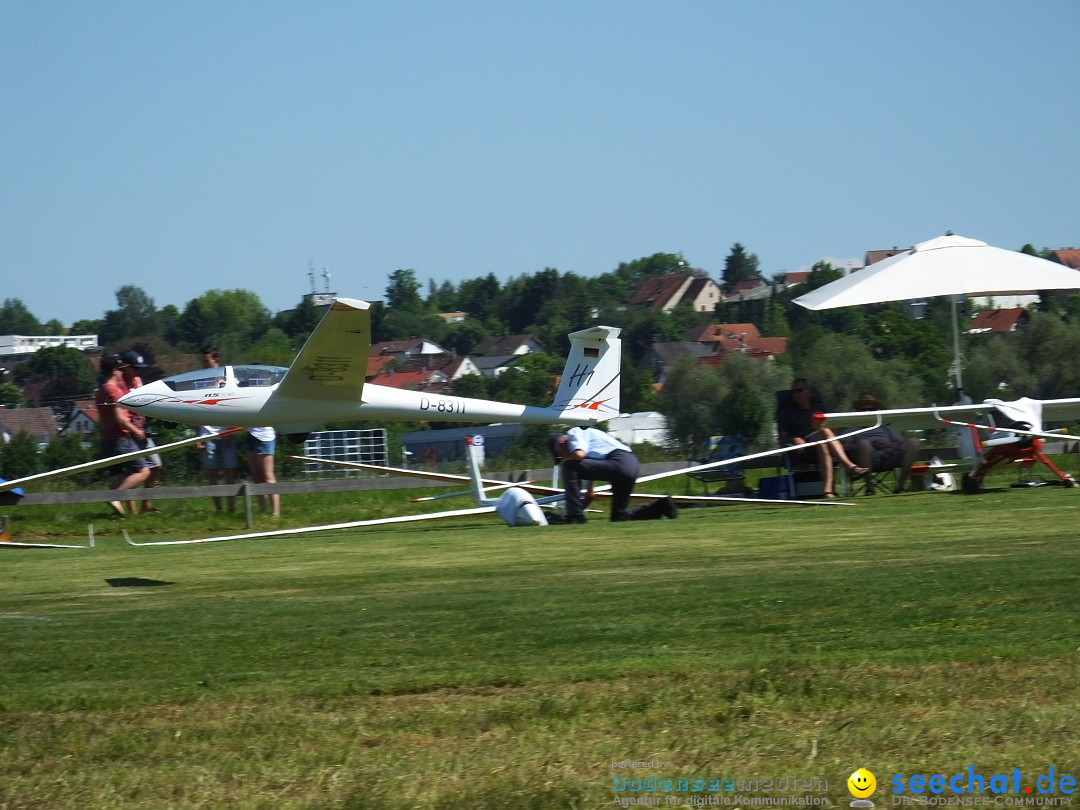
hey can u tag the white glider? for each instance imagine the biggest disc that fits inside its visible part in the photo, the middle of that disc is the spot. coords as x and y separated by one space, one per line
517 505
7 542
326 383
603 491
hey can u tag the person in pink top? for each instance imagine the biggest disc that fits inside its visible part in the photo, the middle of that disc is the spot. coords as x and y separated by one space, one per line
119 432
131 364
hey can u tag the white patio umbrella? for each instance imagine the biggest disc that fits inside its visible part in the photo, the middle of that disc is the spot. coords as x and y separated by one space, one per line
948 265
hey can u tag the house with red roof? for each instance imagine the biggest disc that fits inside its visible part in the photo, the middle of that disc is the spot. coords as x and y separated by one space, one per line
874 256
83 419
798 277
412 380
1068 257
744 338
1000 321
379 364
405 349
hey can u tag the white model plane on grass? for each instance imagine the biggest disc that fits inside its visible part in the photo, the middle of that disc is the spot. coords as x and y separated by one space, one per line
326 383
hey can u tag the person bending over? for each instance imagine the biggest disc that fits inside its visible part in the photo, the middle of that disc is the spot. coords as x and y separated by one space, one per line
589 454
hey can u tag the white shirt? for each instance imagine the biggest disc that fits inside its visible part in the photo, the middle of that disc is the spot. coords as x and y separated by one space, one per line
594 442
262 434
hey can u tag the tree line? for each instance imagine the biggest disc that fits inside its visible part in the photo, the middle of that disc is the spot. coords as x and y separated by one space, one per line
845 353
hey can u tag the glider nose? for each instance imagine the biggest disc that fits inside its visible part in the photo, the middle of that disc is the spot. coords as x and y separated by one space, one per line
530 514
145 395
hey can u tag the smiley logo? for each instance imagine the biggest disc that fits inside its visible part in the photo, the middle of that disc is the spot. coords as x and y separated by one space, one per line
861 783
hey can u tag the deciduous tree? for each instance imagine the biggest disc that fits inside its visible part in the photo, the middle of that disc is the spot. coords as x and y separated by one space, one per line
232 320
19 456
689 403
66 371
742 412
135 316
16 319
11 395
67 451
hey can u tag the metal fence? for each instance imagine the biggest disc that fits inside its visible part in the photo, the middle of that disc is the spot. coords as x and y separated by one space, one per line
358 446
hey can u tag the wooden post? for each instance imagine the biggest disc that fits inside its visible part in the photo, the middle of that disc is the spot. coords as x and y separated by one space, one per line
245 490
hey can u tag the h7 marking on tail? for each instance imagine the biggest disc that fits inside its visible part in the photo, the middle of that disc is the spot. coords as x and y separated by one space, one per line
581 375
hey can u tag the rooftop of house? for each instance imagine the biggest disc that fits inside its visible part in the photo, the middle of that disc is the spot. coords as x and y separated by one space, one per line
485 362
873 256
506 344
715 332
88 407
998 320
1068 257
40 423
737 337
409 380
656 291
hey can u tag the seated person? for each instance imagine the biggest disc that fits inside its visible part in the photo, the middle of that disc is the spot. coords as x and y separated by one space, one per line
798 421
881 448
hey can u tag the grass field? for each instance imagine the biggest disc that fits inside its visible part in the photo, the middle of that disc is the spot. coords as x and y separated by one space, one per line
468 665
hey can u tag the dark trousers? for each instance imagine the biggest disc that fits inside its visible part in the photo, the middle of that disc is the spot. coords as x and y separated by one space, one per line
620 469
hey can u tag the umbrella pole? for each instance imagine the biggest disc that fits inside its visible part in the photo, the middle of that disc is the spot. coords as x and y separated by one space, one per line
956 346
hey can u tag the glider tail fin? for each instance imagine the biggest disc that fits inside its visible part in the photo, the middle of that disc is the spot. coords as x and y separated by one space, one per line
589 389
476 481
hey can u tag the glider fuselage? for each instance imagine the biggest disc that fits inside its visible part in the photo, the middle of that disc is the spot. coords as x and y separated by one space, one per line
231 399
327 382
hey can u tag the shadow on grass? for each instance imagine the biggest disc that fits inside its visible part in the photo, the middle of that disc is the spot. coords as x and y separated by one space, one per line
135 582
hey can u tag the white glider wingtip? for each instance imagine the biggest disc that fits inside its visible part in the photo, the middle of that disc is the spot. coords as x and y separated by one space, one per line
109 461
351 303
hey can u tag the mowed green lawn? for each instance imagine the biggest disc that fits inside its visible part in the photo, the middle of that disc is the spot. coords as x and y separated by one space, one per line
468 665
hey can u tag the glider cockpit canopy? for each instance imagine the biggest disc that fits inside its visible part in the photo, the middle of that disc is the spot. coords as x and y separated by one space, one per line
223 376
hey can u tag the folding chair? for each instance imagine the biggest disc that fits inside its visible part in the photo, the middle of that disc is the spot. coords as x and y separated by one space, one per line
879 480
800 472
883 474
732 477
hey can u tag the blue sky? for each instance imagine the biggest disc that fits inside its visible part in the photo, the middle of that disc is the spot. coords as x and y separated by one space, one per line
190 146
